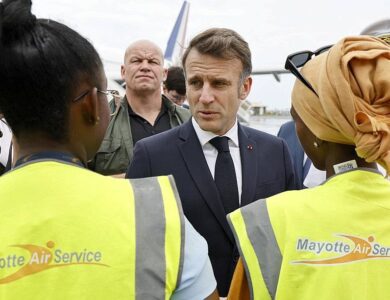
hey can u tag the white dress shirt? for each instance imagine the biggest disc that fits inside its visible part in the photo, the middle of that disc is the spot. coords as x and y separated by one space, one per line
314 177
210 153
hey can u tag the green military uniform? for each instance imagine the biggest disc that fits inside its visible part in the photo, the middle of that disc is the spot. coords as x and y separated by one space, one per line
116 151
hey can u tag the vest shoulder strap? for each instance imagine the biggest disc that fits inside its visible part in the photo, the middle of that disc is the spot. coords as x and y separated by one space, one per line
159 234
258 248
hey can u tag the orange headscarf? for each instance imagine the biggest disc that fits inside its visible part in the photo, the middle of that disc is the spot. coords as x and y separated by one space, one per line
352 81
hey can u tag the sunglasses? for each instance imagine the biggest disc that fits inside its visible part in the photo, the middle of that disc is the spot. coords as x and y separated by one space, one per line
299 59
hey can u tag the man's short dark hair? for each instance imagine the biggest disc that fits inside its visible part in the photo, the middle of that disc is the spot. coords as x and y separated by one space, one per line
175 80
222 43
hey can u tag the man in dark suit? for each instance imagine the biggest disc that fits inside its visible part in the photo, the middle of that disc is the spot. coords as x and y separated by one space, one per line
217 66
301 165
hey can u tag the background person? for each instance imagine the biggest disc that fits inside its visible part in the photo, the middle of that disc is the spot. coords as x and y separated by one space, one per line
143 111
211 183
88 236
324 242
175 86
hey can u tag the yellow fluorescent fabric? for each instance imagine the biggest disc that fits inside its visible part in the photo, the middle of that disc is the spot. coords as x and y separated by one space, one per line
251 261
334 240
69 233
172 236
353 103
65 212
133 241
330 237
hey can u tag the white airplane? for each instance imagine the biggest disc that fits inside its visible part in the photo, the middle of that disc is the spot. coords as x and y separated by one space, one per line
275 73
176 41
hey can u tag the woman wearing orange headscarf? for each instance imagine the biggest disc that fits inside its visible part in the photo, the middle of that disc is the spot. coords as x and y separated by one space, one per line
331 241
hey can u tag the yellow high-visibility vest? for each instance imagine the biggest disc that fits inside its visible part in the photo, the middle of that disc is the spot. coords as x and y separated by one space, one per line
69 233
328 242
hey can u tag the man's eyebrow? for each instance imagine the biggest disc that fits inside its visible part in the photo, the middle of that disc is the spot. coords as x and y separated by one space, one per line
193 77
145 55
220 79
154 58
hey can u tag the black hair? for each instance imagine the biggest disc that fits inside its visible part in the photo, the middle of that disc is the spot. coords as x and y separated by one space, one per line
175 80
41 64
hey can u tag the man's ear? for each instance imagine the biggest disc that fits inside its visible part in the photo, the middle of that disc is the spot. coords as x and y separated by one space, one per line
245 88
90 107
165 74
123 71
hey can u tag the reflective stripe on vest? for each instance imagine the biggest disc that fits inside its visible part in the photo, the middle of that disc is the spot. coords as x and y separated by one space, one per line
165 257
258 248
72 234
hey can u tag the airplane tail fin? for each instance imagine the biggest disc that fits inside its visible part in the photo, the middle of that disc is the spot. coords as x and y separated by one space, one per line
176 41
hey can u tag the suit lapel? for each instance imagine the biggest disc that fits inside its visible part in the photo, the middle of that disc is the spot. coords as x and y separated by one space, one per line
198 169
248 150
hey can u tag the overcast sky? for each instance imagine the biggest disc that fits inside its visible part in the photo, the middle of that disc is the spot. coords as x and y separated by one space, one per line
273 28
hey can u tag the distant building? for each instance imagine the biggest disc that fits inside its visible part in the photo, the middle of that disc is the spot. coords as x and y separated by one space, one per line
258 109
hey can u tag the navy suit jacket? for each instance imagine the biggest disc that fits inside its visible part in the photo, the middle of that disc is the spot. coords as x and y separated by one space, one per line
266 170
288 133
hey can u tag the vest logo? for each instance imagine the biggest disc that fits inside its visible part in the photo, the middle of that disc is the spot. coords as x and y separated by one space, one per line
44 258
352 249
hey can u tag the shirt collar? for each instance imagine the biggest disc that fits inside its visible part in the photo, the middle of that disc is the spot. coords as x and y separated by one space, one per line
205 136
163 110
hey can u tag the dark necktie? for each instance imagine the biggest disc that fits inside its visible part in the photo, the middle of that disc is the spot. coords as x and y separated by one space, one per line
225 174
